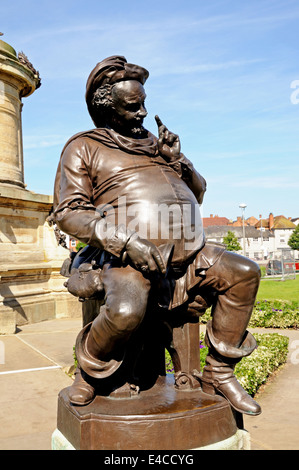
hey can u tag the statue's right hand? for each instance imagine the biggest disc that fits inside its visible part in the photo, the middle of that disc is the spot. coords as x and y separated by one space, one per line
145 255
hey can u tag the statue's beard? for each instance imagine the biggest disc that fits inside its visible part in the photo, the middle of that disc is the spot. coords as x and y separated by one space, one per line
137 131
132 128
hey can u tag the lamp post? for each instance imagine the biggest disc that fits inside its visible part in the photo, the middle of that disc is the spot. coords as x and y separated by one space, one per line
243 207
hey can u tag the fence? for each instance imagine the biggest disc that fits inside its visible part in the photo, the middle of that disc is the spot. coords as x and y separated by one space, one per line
281 263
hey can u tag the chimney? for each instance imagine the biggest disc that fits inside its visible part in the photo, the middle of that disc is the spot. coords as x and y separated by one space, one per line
211 216
271 221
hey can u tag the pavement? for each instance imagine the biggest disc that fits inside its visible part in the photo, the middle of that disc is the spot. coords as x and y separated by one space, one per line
33 366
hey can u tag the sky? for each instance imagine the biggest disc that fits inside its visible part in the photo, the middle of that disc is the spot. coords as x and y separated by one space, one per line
224 76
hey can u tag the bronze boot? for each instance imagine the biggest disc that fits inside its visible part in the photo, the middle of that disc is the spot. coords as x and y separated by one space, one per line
218 374
218 377
81 392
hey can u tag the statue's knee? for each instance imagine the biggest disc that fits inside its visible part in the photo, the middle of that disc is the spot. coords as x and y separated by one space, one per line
243 269
252 270
124 317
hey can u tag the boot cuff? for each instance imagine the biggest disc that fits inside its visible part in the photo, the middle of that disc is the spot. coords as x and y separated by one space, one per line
90 365
246 348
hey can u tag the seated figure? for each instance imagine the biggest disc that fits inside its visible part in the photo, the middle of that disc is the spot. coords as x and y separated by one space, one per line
135 199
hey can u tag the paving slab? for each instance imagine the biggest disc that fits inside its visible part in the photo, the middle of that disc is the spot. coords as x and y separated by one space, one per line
32 373
18 355
28 412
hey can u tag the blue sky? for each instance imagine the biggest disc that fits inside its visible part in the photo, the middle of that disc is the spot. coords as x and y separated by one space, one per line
220 77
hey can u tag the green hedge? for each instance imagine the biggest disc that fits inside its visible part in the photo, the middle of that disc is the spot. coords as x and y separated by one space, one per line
275 314
255 369
270 314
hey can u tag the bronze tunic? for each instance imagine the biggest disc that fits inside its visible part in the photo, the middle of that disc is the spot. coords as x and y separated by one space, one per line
125 183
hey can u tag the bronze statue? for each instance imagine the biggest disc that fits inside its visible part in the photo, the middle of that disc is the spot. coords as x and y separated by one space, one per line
134 199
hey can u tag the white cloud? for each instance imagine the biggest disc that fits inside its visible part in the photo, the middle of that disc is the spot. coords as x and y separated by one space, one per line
44 141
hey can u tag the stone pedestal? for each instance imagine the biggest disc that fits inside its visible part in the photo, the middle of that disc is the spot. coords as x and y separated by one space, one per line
162 418
31 287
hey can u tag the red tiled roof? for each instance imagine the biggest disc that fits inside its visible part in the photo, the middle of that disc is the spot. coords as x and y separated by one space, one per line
211 221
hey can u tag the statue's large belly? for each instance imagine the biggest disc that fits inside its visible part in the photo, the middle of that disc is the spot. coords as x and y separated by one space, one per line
160 208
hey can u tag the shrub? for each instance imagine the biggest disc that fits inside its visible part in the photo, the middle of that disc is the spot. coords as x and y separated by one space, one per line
275 314
270 314
271 353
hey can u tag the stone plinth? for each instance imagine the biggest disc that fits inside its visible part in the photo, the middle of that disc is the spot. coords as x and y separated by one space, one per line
162 418
31 287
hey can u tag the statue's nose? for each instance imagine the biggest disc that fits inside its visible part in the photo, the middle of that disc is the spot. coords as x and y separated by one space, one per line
142 112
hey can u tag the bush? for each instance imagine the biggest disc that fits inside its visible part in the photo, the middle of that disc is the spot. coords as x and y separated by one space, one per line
275 314
271 353
253 370
270 314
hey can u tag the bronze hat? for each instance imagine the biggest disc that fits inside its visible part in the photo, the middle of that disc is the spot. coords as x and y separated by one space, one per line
111 70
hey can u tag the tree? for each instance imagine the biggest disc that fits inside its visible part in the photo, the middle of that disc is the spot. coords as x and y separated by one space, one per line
294 239
80 245
231 242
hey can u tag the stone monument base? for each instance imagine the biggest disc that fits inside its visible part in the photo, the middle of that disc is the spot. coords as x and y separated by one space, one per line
31 288
162 418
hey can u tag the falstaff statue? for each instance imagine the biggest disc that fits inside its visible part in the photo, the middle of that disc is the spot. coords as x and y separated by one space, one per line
134 200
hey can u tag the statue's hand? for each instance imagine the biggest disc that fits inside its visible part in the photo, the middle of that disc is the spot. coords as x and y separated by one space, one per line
168 143
144 255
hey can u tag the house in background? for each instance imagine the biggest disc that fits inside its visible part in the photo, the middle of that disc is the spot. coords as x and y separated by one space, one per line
264 238
251 221
71 242
258 245
280 226
214 220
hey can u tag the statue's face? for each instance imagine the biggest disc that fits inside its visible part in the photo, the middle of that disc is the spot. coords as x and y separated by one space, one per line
128 109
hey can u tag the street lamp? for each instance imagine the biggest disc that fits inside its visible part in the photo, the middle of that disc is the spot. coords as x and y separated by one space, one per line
243 207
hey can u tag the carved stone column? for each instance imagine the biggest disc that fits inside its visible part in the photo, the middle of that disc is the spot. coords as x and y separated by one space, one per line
17 80
31 288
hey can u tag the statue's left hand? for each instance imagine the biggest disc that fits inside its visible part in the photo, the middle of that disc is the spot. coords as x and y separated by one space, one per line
168 143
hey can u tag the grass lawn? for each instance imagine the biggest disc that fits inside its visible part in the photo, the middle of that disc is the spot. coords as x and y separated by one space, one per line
277 289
